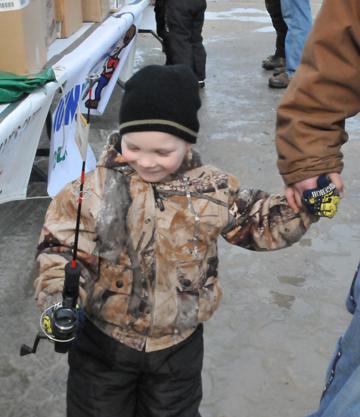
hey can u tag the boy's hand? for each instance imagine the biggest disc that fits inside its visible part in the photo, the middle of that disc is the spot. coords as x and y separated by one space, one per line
294 193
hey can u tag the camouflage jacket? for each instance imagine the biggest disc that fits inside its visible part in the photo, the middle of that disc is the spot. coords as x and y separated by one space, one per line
148 252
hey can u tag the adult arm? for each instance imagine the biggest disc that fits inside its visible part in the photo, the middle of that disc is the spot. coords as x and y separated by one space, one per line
324 92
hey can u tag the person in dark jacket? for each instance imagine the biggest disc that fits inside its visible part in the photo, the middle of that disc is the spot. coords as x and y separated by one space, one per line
180 24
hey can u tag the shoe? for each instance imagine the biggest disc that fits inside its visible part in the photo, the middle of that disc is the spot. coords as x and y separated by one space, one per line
273 62
202 84
279 70
281 80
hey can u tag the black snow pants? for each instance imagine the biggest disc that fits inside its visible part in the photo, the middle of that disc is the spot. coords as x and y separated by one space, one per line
184 42
274 9
109 379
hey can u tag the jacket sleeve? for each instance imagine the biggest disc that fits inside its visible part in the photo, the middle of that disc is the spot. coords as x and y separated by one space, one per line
56 243
324 92
259 221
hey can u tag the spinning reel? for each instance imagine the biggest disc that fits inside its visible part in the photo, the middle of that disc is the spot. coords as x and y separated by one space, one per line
58 323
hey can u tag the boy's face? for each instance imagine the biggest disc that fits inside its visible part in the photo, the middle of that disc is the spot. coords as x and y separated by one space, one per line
154 155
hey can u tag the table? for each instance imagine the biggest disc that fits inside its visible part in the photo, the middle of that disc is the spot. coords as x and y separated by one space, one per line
91 50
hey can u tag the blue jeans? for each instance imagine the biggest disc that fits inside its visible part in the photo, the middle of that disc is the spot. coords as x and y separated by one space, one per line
297 16
341 396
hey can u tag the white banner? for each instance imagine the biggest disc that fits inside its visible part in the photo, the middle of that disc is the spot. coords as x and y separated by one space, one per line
65 160
110 46
20 130
107 72
19 137
82 134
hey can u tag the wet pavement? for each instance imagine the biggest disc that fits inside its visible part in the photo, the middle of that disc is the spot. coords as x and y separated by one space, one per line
267 347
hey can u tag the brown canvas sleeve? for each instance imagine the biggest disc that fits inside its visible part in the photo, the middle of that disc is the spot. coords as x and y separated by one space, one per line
310 127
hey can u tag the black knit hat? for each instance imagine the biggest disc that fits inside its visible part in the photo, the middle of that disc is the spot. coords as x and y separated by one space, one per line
162 98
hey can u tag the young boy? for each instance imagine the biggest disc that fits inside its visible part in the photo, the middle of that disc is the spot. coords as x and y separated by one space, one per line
148 253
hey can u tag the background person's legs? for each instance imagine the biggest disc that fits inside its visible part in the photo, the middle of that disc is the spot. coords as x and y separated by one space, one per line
199 53
278 59
184 45
179 22
297 16
341 397
159 10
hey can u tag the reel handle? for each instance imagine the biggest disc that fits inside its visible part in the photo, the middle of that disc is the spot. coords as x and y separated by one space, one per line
26 350
71 284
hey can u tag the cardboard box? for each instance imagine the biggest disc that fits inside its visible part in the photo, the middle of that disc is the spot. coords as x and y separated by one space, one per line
50 21
22 36
68 17
95 10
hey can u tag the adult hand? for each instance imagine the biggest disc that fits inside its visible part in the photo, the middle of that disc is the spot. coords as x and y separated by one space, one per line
294 192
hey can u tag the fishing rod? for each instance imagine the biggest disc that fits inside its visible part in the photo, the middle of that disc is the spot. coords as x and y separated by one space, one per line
58 323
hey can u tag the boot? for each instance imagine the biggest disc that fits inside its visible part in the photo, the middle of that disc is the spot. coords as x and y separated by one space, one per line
273 62
281 80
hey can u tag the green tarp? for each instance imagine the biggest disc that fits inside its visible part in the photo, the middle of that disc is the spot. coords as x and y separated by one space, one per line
15 87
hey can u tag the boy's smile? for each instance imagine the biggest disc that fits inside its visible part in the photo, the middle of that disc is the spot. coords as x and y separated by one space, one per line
154 155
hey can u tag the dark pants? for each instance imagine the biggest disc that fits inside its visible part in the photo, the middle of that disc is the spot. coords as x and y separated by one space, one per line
109 379
274 9
159 9
183 43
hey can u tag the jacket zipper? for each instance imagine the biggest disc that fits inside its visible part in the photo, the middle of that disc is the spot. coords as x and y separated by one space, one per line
159 204
158 198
